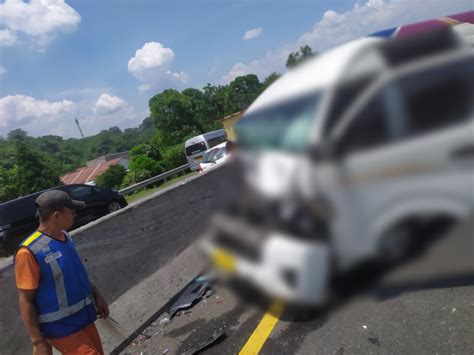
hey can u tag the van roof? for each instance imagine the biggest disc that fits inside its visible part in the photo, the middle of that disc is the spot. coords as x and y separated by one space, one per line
320 72
191 140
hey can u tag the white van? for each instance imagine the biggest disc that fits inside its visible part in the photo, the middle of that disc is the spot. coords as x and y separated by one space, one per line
344 155
196 147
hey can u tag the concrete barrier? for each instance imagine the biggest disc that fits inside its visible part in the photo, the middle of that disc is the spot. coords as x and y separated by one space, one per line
138 257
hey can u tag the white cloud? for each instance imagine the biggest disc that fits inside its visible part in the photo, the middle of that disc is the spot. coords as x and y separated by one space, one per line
7 38
19 111
273 61
43 117
107 103
152 55
253 33
336 28
2 70
40 20
151 66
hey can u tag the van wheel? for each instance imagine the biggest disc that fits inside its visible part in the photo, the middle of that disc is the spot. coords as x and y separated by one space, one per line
396 245
113 206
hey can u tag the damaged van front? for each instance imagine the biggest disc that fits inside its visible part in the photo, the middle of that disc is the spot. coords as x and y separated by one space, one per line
342 157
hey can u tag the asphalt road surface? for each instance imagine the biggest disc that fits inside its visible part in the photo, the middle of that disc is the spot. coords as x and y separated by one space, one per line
425 306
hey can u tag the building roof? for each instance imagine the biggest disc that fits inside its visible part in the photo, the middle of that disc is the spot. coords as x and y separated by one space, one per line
88 173
239 113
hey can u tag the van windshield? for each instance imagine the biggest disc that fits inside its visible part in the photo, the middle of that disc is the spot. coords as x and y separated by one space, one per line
285 126
210 156
196 148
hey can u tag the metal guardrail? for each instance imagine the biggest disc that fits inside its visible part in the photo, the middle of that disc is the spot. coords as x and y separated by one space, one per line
140 185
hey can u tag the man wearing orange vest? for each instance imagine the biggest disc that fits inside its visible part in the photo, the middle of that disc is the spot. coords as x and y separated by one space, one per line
58 303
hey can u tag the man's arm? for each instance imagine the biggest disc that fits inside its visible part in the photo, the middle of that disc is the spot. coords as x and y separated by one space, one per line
100 302
30 319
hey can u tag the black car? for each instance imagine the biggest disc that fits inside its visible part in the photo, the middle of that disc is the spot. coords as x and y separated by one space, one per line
18 217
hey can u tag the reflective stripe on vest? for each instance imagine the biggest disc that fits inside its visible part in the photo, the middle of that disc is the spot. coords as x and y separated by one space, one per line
64 310
31 238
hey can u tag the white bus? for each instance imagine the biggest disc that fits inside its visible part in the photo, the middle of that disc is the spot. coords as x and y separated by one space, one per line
196 146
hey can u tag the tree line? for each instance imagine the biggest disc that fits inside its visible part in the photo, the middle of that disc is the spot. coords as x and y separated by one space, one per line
29 164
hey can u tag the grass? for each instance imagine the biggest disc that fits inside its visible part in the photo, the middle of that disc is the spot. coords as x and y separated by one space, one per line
147 191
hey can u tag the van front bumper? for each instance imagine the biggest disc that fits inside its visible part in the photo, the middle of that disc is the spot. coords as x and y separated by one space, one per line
284 267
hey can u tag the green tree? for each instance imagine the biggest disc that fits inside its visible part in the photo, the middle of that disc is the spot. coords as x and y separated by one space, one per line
201 109
295 58
241 92
144 164
216 95
31 172
173 117
17 134
174 156
112 177
269 80
7 186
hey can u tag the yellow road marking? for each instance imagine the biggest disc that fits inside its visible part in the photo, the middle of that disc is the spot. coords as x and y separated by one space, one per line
263 330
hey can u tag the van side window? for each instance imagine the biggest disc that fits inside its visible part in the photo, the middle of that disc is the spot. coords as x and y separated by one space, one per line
344 95
439 98
215 141
368 128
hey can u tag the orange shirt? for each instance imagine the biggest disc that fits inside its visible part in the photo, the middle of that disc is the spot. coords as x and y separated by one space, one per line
27 271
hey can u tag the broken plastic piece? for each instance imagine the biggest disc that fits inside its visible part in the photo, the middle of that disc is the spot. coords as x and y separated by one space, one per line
189 297
202 278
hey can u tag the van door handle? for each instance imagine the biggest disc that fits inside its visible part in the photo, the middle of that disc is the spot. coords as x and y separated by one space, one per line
465 151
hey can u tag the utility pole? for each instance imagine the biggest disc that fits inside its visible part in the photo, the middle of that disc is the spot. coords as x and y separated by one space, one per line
80 130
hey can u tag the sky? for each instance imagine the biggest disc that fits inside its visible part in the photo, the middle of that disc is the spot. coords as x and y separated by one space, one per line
102 60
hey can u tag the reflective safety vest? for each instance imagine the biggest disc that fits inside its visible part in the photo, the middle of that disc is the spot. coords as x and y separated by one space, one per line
64 301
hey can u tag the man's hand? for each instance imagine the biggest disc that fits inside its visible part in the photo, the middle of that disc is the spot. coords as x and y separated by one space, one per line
30 318
101 304
42 347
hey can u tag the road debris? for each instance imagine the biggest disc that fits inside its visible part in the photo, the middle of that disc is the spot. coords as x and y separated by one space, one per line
164 321
192 294
453 310
364 326
374 341
204 278
165 351
210 293
214 338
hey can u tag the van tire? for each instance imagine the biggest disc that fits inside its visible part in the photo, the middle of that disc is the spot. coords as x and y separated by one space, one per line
396 245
